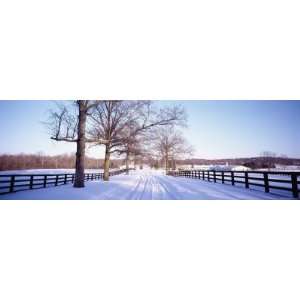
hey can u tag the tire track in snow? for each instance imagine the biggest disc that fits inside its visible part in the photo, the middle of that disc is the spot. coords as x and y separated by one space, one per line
133 192
165 189
146 189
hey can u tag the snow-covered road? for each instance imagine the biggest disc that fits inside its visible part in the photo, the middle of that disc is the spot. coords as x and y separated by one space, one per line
145 185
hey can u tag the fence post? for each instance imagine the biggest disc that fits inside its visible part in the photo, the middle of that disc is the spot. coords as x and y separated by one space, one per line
56 180
223 177
31 182
215 176
295 185
208 172
65 182
266 181
246 180
12 184
202 175
232 177
45 181
73 177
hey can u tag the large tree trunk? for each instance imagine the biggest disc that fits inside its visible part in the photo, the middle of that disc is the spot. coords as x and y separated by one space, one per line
127 163
173 164
167 162
106 163
141 164
80 153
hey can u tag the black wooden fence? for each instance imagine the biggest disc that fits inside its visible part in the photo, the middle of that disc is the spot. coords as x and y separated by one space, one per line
21 182
286 181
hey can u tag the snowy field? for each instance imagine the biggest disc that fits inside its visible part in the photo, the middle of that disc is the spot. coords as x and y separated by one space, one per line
47 171
146 185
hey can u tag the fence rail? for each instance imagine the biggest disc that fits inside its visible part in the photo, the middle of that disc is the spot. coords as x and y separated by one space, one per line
20 182
286 181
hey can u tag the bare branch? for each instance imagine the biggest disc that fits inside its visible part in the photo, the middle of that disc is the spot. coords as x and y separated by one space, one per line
61 139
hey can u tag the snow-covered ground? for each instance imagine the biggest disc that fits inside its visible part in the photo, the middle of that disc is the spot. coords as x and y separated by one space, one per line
146 185
214 167
47 171
285 168
292 168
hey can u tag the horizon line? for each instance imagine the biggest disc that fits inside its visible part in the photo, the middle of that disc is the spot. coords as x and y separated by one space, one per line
208 159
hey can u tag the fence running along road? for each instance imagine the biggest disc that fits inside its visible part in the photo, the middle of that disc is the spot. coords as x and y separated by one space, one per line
20 182
287 181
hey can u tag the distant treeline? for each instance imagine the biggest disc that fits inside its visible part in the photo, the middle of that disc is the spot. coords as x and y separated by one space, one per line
252 162
37 161
67 161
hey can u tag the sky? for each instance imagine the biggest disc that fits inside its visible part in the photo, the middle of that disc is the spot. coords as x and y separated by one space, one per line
216 129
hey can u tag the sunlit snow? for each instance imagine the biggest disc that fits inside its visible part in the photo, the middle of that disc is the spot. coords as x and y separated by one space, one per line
146 185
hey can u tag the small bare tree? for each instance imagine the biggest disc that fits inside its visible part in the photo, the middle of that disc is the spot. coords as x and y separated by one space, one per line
132 146
170 144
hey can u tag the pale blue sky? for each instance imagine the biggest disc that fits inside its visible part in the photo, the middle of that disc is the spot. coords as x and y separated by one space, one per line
217 129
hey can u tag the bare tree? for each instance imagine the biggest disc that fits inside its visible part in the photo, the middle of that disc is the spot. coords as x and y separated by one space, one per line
132 146
170 144
116 124
268 159
68 124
